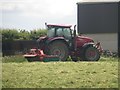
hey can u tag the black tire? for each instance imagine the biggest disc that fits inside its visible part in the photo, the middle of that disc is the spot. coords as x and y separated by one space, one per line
58 48
90 53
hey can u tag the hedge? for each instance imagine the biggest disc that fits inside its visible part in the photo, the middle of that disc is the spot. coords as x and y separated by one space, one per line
14 34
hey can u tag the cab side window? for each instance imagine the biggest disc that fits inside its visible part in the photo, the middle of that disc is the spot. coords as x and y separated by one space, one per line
67 33
59 32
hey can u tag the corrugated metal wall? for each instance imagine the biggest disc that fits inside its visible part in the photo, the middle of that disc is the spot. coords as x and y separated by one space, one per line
97 17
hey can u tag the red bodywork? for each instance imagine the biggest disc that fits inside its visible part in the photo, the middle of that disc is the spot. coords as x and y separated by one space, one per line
81 40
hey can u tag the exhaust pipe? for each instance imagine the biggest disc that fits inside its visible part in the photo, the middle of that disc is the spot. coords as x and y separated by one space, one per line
75 45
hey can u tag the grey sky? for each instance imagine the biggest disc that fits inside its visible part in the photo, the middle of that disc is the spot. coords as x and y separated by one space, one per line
32 14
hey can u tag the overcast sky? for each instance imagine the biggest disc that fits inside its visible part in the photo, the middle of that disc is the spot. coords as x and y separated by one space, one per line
32 14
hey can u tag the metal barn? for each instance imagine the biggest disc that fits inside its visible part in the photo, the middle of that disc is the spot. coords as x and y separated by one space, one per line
99 20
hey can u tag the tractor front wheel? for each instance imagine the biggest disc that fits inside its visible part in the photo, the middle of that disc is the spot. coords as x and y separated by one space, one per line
58 48
91 54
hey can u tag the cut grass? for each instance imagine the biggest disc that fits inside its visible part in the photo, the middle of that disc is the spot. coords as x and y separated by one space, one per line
20 59
101 74
15 59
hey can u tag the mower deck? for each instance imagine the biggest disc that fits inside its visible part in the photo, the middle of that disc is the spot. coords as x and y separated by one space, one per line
38 55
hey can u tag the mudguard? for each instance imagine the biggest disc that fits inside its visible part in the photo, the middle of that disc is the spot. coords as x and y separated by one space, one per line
88 44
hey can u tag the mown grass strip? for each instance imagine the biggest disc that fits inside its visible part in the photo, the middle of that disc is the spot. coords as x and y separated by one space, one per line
102 74
20 59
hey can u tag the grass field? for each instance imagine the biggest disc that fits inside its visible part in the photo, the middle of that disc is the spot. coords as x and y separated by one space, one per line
18 73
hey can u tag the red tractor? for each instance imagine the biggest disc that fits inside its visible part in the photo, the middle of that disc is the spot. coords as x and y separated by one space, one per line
61 40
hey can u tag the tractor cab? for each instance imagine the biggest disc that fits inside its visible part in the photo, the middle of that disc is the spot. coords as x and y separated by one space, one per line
59 31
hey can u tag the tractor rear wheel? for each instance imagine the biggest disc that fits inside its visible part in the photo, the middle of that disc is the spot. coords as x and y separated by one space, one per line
58 48
90 53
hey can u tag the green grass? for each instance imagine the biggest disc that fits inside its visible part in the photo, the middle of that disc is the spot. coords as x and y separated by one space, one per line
13 59
18 73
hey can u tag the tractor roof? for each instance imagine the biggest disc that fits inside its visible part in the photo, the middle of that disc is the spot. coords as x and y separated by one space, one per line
64 26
